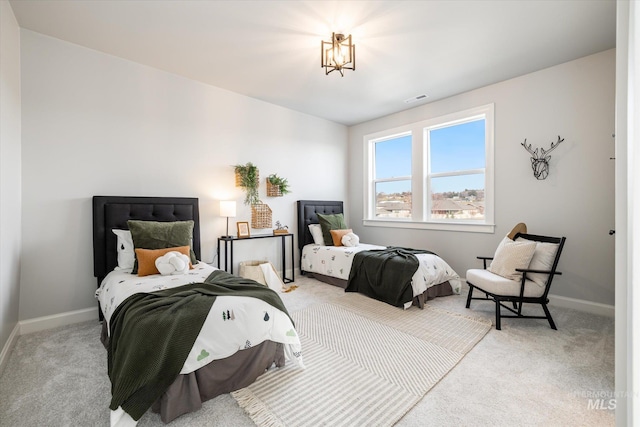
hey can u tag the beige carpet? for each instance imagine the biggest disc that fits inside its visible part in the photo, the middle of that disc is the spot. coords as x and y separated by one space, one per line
367 363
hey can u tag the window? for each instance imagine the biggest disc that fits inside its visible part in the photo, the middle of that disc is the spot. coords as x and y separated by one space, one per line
392 177
455 170
435 174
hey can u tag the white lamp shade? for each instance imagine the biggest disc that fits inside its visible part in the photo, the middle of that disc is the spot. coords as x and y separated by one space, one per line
228 208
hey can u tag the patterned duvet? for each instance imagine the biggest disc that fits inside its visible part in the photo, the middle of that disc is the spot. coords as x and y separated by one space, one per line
335 261
232 324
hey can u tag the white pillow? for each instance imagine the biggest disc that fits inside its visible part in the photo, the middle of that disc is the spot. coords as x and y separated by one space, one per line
316 233
350 240
542 259
511 255
173 262
126 252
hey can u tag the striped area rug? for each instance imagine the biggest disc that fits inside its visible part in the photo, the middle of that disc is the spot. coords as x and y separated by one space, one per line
367 363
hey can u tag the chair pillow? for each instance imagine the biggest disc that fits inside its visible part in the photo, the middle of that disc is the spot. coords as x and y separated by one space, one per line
511 255
316 233
147 258
336 236
330 222
543 258
161 235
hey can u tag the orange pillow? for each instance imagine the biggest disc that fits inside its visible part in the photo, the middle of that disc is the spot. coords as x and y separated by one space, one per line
147 258
336 235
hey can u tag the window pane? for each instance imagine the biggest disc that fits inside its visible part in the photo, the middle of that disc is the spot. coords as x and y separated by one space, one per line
457 147
458 197
393 199
393 157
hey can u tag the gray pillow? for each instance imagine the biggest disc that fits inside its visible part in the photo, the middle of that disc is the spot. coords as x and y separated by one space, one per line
161 235
330 222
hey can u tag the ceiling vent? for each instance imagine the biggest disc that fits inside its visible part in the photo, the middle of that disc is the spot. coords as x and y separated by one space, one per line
416 98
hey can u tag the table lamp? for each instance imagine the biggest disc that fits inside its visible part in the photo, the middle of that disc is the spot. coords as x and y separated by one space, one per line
228 209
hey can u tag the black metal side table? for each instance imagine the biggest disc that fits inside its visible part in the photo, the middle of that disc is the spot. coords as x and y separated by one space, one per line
228 250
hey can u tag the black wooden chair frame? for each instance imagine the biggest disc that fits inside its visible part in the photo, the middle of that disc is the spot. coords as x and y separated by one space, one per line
519 300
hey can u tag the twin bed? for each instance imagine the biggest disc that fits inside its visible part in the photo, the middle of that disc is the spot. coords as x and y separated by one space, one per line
332 264
241 336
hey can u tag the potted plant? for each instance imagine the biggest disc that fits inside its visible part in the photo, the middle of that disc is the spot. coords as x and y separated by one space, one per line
280 229
277 186
248 177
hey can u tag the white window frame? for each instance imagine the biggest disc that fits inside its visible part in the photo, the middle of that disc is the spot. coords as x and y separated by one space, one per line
420 177
375 180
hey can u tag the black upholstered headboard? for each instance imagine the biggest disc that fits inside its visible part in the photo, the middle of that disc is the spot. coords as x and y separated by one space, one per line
111 212
307 214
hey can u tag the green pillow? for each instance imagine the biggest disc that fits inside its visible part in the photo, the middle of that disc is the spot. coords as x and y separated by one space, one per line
331 222
161 235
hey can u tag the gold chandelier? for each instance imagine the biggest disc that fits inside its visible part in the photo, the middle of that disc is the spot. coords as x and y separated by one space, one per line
338 54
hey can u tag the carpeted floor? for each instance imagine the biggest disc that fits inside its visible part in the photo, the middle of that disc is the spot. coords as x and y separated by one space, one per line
366 363
526 374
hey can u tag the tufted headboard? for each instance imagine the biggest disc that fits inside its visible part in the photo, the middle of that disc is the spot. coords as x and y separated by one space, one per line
111 212
307 214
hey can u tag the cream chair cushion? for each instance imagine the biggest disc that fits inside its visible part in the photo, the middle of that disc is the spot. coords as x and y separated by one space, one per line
498 285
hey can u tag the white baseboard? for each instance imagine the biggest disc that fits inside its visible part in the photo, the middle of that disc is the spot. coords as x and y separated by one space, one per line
8 347
53 321
582 305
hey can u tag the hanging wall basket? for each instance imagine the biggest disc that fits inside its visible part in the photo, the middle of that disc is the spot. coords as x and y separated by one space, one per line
273 190
277 186
239 180
261 216
248 178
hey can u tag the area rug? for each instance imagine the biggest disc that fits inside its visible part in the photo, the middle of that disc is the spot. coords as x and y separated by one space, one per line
366 363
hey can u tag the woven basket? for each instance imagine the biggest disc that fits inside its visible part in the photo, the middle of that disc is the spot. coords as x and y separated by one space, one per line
252 270
273 190
239 179
260 216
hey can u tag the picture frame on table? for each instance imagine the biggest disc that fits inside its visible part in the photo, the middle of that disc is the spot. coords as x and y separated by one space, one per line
243 229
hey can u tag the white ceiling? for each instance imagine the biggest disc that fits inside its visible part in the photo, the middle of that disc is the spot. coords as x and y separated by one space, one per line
270 50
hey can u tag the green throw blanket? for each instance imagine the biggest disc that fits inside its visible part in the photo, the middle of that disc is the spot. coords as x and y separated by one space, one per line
385 274
152 335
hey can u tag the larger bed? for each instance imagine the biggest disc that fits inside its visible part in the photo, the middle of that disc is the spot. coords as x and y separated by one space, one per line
333 264
257 334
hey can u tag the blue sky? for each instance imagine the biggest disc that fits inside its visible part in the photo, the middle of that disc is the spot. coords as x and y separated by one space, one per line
452 148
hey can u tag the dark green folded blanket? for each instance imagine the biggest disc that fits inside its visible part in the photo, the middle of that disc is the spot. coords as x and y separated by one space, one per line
385 274
152 335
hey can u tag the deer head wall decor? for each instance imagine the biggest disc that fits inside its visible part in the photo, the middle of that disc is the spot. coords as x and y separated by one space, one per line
540 162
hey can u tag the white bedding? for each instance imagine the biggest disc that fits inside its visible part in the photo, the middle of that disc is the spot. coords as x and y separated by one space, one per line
220 336
335 261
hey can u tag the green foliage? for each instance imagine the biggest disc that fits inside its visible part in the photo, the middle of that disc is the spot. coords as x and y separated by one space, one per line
279 182
249 181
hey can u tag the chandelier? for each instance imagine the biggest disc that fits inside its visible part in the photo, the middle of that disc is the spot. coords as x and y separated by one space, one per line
338 54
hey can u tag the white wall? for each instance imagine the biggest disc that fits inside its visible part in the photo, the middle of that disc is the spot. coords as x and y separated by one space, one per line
574 100
94 124
9 172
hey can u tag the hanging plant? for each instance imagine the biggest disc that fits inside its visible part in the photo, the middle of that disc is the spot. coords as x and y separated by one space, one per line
277 186
248 177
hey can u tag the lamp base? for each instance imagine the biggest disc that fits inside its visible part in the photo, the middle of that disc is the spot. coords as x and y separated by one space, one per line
227 236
